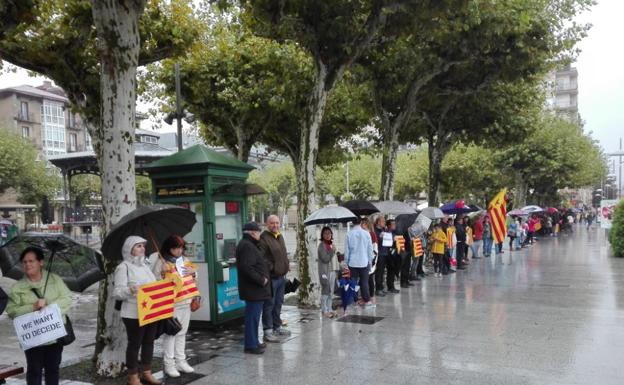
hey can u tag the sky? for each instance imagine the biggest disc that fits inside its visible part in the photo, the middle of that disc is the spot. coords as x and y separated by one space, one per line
599 65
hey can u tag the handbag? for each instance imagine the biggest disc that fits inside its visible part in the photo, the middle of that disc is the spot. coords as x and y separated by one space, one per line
169 326
195 303
70 336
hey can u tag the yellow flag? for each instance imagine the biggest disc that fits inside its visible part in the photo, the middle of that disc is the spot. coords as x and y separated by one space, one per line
155 301
498 212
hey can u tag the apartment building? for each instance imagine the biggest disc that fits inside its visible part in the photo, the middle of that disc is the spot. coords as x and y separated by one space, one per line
562 92
42 115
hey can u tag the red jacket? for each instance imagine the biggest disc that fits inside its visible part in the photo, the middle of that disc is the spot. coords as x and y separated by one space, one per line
478 230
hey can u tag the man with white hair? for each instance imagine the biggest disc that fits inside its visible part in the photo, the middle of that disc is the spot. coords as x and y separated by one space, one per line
273 247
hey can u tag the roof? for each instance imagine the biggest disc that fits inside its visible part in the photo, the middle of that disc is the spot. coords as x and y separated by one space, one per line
34 91
140 131
199 155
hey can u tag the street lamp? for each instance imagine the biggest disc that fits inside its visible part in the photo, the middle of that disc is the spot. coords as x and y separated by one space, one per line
179 114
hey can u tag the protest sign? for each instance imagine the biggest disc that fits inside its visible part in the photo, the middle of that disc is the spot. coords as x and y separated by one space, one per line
39 327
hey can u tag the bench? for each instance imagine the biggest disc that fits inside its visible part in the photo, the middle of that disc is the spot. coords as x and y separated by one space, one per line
7 371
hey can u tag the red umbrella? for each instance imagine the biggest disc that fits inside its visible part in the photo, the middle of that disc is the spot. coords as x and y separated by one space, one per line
551 210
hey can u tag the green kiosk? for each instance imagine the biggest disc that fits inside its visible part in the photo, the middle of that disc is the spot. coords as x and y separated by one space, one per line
211 185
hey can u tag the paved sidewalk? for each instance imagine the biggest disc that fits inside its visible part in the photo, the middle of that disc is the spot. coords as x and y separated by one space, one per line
549 314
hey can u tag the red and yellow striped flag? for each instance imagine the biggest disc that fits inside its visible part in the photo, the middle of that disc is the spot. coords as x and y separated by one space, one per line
185 287
498 211
417 249
155 301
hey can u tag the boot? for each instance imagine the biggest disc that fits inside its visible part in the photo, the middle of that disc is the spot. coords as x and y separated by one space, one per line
149 379
133 379
170 369
184 367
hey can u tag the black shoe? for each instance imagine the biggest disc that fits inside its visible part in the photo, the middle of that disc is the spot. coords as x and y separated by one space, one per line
257 350
393 291
261 345
405 285
380 293
461 268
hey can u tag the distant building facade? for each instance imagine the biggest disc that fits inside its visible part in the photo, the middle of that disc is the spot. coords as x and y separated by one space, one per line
562 92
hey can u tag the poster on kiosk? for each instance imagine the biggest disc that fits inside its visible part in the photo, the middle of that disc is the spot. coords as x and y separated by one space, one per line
213 186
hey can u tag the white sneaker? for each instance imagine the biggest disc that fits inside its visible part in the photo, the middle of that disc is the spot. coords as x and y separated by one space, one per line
171 371
184 367
282 332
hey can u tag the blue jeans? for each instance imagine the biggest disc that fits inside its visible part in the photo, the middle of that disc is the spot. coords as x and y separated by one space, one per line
487 246
361 275
253 309
272 309
476 245
499 248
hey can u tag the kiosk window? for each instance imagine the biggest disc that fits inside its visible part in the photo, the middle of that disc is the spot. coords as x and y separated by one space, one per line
195 239
228 229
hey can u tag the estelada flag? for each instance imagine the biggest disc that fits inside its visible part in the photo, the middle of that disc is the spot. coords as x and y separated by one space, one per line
417 249
185 287
498 212
399 242
155 301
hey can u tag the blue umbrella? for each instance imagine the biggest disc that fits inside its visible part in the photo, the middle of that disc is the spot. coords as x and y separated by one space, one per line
458 207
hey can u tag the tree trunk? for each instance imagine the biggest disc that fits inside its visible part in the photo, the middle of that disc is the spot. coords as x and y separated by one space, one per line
389 158
521 188
436 152
116 23
305 166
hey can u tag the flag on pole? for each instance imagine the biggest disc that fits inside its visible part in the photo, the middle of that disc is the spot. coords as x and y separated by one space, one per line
417 248
498 212
155 301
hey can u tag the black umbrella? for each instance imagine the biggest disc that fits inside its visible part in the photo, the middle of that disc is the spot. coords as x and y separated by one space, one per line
154 223
78 265
404 221
360 207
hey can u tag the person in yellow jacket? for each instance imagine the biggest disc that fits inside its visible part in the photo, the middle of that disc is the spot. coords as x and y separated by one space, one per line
437 248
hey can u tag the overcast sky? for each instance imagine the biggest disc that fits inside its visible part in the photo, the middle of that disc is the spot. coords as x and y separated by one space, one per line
601 74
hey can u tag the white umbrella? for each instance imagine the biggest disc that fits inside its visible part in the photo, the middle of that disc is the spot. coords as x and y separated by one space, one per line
394 207
432 213
532 209
336 214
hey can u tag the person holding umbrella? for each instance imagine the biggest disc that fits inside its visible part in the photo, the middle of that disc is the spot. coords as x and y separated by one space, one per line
36 290
130 274
174 357
254 284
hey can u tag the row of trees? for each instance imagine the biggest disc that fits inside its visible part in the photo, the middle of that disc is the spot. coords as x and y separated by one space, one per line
301 77
556 155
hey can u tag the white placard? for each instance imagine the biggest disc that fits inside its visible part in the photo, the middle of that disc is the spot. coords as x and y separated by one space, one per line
386 239
39 327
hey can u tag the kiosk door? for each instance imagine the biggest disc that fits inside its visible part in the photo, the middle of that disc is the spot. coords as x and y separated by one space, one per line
228 231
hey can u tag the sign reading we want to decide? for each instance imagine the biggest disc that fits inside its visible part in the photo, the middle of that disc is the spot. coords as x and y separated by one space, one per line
39 327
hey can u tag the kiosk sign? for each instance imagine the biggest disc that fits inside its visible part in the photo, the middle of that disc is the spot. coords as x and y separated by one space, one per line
39 327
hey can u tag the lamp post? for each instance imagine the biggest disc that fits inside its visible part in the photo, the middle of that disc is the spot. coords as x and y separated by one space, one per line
179 113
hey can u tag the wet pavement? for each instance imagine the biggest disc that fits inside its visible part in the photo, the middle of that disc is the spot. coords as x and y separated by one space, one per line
549 314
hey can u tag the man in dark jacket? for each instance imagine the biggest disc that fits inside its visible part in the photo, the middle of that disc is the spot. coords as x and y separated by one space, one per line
460 233
273 248
382 255
254 284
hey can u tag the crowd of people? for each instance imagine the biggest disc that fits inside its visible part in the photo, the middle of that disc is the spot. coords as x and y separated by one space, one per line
376 255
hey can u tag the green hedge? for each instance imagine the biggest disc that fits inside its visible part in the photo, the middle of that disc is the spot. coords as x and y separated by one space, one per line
616 235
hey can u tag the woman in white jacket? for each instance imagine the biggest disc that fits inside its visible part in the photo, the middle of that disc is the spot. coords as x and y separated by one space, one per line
174 356
130 274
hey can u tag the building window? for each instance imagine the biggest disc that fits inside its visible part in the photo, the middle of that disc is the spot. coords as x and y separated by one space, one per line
72 142
71 120
88 144
24 111
25 132
53 127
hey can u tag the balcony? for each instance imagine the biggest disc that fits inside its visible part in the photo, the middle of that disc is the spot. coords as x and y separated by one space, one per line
30 117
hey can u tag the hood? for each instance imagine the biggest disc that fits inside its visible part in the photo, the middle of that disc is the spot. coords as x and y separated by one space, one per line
127 248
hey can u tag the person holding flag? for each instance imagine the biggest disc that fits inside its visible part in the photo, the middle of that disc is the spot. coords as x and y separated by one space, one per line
129 276
169 263
497 210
